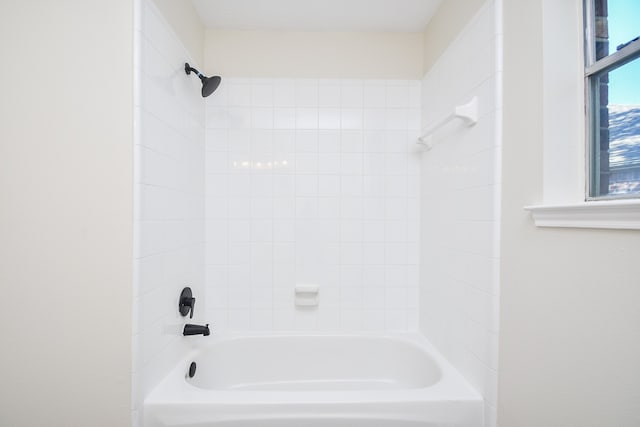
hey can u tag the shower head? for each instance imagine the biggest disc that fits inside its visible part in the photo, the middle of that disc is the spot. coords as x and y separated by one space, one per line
209 84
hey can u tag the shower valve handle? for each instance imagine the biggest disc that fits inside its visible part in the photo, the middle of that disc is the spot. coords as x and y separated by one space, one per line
187 303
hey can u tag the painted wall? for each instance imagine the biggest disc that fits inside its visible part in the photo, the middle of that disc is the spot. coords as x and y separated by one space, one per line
460 199
66 212
273 54
445 25
313 182
185 22
569 335
169 201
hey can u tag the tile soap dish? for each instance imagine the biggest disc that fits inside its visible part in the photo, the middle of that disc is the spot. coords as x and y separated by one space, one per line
307 295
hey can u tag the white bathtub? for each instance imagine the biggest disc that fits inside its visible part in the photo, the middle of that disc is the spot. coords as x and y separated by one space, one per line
290 380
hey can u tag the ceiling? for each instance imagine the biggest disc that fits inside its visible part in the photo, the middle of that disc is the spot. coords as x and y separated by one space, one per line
317 15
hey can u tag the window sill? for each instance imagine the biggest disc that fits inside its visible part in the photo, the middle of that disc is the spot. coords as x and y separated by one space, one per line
618 214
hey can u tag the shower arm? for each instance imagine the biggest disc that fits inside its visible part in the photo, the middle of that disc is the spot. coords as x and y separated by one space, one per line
188 69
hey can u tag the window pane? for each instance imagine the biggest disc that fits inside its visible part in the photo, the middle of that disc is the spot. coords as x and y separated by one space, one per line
616 22
616 131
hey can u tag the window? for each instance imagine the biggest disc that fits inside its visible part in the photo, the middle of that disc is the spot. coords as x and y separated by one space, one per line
612 77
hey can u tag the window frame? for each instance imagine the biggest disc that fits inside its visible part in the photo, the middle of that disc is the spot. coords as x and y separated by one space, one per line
593 68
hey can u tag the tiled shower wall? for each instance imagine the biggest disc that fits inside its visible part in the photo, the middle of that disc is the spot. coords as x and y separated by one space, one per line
461 206
169 199
313 182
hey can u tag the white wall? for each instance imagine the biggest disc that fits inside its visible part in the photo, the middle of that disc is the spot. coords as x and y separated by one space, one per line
569 335
313 181
274 54
447 22
186 24
460 216
169 200
65 213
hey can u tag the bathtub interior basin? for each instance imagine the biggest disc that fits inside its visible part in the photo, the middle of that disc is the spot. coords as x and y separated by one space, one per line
314 363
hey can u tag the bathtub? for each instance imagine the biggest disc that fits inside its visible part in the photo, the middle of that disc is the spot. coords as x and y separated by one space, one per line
290 380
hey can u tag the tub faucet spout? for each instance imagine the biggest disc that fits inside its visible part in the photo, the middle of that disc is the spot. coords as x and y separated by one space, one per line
196 330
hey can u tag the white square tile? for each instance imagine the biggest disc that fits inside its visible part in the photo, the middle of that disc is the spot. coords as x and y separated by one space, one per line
306 118
239 297
239 95
329 141
375 119
328 163
397 119
239 230
284 118
329 118
396 298
283 185
351 163
395 320
306 207
262 207
283 230
373 253
375 97
396 253
284 93
284 207
395 231
373 276
239 207
217 140
397 96
306 95
239 253
328 207
351 297
351 185
374 141
329 186
262 118
217 162
351 118
261 230
239 320
395 275
262 95
351 231
350 320
306 163
306 141
351 141
373 297
261 319
351 276
239 140
373 320
351 96
396 186
261 184
261 275
351 253
328 319
374 186
374 163
329 96
306 185
284 253
351 208
261 253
